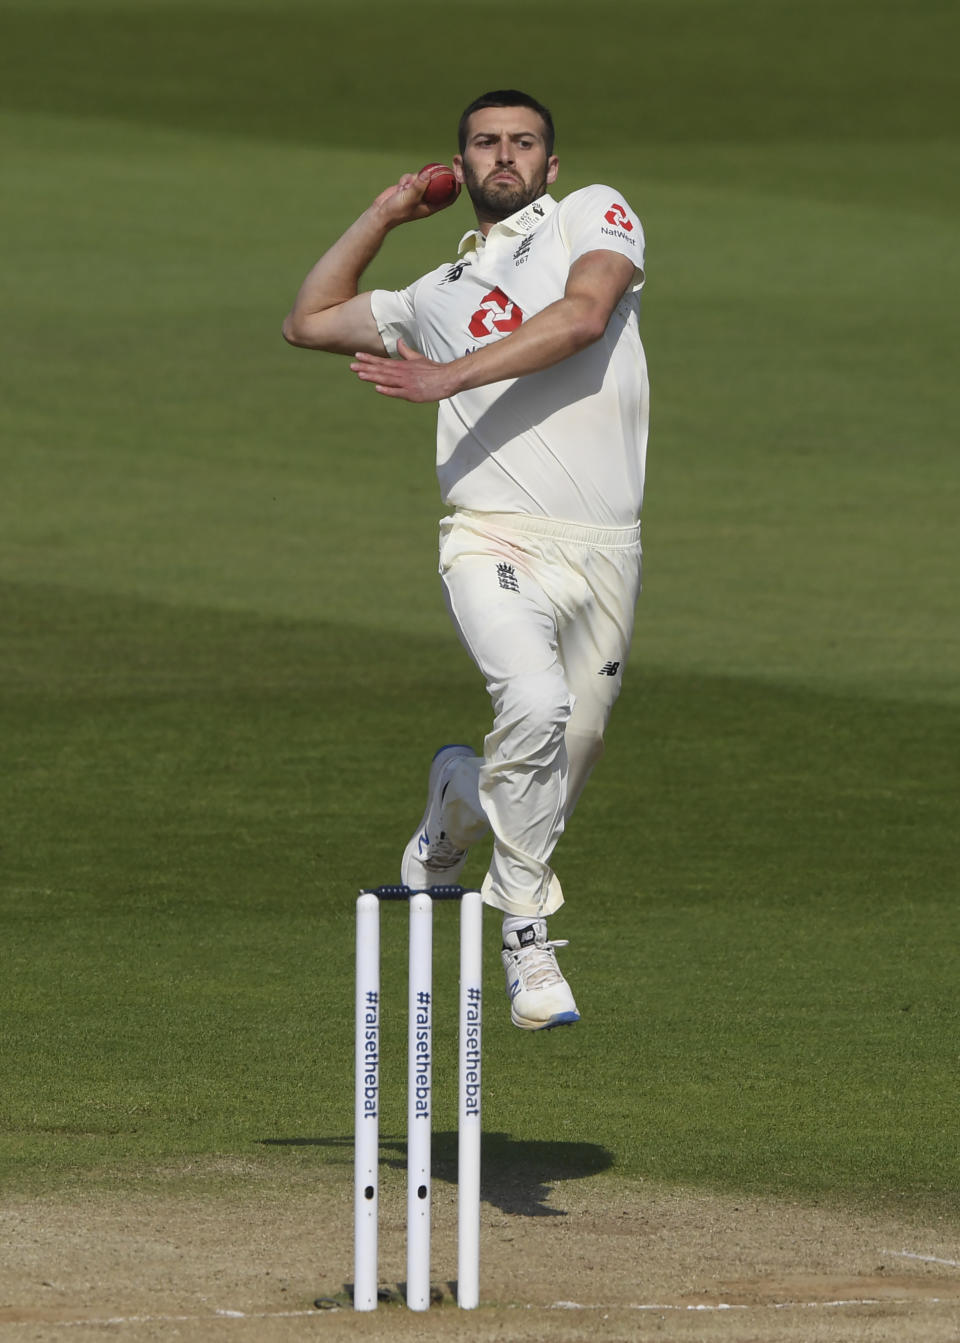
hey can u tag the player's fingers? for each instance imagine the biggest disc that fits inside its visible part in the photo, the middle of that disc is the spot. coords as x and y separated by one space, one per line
387 193
412 186
404 199
370 373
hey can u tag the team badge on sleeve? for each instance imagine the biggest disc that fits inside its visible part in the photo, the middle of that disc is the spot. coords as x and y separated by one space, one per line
621 224
618 217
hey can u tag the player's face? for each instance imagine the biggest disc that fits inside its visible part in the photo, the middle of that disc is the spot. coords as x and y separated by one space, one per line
505 164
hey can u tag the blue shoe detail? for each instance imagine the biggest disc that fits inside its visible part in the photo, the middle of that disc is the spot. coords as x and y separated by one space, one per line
461 746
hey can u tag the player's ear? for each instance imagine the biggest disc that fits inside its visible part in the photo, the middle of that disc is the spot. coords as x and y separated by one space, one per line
457 165
553 165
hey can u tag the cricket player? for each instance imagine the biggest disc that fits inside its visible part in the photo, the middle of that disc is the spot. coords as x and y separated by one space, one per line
528 340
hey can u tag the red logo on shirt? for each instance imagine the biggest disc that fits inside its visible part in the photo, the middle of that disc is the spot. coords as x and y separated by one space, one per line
618 217
496 313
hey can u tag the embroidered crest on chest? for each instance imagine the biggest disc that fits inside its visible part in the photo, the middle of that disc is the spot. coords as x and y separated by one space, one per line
522 252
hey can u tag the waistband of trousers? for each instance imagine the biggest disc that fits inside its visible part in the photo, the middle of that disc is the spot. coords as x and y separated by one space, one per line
578 533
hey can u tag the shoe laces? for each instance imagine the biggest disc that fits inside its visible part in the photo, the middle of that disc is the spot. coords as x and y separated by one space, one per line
537 964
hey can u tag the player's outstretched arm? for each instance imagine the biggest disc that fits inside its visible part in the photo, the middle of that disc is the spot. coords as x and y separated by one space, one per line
596 284
328 312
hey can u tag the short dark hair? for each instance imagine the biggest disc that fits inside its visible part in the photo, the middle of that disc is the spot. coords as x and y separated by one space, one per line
507 98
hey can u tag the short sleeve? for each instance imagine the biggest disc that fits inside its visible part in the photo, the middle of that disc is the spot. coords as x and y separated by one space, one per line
393 311
598 218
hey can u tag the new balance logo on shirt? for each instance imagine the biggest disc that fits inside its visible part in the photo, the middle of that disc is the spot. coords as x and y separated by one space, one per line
609 669
455 272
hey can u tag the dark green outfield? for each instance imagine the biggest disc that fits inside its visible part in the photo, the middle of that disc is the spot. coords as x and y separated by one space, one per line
224 661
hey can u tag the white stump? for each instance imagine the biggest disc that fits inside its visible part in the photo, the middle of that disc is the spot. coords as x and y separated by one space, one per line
471 1037
419 1081
367 1111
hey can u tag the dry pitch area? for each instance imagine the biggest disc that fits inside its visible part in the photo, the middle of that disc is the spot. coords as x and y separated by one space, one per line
597 1262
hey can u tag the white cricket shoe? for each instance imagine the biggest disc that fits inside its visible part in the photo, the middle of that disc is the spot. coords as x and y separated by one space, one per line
539 995
431 858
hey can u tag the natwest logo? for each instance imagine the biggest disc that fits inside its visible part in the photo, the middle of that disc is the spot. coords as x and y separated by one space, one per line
618 217
496 313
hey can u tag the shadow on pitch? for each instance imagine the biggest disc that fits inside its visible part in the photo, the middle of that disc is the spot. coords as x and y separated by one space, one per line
518 1175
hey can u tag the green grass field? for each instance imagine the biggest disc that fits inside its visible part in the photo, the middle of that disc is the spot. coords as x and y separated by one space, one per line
225 657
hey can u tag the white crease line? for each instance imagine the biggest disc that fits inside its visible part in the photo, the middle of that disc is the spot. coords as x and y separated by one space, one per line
220 1314
173 1319
633 1305
761 1305
224 1314
924 1258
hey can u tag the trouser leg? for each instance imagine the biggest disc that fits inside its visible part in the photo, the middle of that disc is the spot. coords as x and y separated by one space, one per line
593 646
549 625
463 817
509 629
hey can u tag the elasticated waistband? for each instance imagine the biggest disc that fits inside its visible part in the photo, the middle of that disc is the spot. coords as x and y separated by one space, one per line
579 533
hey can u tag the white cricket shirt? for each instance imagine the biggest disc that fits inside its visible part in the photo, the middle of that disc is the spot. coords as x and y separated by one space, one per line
570 441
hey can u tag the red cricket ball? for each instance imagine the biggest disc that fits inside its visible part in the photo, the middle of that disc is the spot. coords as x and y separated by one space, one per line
443 188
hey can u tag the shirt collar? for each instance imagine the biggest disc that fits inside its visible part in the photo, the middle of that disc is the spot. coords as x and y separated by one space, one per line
524 221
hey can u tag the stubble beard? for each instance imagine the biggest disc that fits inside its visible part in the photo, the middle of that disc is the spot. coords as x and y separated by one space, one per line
499 200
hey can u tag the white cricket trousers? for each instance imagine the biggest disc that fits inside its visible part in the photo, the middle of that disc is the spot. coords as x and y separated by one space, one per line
545 610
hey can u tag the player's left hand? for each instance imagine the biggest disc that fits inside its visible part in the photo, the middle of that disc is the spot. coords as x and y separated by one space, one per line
412 377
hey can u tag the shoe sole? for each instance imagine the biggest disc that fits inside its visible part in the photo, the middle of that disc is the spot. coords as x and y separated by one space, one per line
558 1019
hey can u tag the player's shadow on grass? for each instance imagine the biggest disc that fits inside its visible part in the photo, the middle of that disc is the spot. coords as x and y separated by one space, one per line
517 1175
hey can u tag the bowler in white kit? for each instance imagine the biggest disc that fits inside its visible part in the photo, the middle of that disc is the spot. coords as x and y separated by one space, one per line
528 339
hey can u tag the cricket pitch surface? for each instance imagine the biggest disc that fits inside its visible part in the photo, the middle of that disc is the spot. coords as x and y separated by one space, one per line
238 1252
